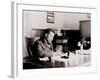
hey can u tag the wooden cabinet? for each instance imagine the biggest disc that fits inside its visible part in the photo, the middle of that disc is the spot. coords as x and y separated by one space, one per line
85 28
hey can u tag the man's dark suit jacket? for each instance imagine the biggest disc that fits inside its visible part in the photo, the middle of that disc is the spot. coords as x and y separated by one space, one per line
42 48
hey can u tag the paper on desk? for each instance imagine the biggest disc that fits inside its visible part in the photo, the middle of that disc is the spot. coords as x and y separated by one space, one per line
58 53
44 59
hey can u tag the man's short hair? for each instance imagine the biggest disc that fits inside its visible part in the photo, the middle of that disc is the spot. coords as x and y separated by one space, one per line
47 31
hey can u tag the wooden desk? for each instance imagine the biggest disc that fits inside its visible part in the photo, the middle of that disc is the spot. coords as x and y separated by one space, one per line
74 60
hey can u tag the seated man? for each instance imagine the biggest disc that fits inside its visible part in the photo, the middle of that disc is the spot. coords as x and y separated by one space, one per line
43 46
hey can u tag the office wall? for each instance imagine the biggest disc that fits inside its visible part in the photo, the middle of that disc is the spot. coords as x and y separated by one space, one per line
38 19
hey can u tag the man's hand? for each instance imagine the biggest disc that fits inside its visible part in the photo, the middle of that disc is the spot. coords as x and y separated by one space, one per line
57 53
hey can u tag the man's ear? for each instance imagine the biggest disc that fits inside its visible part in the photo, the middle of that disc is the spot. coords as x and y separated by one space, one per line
46 35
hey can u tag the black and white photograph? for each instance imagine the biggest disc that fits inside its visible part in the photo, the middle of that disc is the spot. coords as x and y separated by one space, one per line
55 39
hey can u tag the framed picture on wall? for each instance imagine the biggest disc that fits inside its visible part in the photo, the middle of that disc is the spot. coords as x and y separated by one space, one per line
50 17
60 48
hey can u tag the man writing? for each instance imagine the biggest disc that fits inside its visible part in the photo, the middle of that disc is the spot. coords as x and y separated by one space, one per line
43 47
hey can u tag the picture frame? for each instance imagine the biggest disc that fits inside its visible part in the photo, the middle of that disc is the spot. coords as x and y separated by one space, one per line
50 17
17 40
